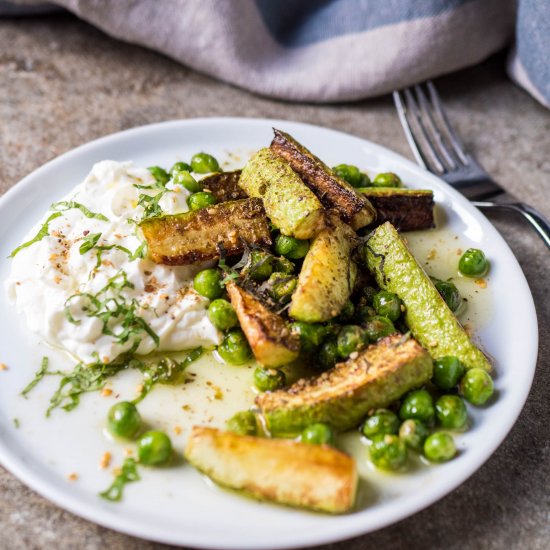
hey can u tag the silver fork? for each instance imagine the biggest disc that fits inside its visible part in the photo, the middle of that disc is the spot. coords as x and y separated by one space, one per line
437 147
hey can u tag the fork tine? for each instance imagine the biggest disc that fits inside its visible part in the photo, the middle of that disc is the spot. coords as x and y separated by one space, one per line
455 141
433 157
402 113
433 129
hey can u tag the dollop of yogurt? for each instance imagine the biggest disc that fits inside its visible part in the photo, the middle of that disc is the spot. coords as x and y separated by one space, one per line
85 286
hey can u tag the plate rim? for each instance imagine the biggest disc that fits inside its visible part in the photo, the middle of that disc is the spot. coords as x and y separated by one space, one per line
350 526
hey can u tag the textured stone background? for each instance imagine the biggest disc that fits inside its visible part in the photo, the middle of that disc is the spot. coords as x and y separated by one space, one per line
62 83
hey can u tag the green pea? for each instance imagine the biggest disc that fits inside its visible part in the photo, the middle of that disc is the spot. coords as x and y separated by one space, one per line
243 423
447 372
449 293
160 174
351 174
154 448
180 167
382 422
451 412
259 266
347 312
363 312
123 420
235 349
473 263
200 200
413 433
203 163
369 292
269 379
280 287
185 179
208 283
387 304
417 404
388 452
351 338
386 179
328 355
439 447
222 315
318 434
477 386
291 248
311 335
283 265
377 327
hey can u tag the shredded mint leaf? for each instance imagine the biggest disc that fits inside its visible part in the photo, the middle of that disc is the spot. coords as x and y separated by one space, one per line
16 422
150 204
85 378
140 252
89 242
128 474
62 206
44 231
42 371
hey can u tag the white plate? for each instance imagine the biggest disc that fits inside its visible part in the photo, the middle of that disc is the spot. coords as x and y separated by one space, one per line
176 505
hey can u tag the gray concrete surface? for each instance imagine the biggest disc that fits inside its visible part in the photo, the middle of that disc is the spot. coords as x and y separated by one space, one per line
63 83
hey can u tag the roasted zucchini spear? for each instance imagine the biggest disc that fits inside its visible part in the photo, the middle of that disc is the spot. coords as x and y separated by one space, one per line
353 207
198 236
290 205
427 315
272 342
328 275
343 395
287 472
406 209
224 186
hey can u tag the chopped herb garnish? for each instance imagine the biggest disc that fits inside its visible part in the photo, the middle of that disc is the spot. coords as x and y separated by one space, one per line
86 378
42 371
16 423
150 204
62 206
127 474
89 242
44 231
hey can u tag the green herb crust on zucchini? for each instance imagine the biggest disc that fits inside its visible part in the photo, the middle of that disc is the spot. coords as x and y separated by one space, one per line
328 275
201 235
342 396
427 315
353 207
289 203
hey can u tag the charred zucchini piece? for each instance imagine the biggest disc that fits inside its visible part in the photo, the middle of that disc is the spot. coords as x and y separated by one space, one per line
198 236
224 186
272 342
316 477
290 205
405 209
343 395
328 275
427 315
353 207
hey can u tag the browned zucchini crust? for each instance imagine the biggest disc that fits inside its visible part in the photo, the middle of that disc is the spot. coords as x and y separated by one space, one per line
272 342
405 209
224 186
333 192
200 235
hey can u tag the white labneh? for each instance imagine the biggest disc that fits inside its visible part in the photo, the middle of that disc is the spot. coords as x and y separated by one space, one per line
84 286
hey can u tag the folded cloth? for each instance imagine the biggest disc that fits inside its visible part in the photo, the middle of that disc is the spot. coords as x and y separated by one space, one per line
331 50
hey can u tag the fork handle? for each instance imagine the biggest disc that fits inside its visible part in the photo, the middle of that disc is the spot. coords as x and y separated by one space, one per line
539 223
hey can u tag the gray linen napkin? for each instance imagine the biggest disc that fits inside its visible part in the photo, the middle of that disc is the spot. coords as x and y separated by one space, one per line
331 50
